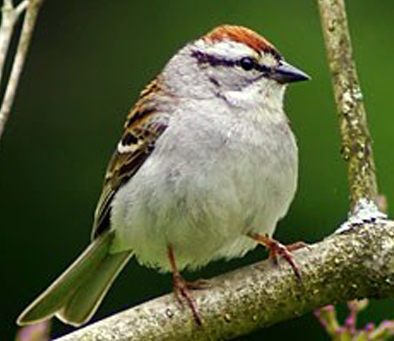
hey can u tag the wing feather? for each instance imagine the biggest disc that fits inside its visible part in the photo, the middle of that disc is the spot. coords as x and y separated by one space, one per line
143 127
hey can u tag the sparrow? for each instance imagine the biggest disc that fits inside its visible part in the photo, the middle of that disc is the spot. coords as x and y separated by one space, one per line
206 167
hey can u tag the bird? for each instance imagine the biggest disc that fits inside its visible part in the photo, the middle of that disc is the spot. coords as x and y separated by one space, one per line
206 167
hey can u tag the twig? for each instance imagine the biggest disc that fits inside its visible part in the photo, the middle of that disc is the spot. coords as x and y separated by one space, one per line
8 20
10 15
356 140
341 268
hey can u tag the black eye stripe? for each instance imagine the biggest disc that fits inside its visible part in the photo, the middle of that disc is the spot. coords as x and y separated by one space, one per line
214 61
250 63
263 68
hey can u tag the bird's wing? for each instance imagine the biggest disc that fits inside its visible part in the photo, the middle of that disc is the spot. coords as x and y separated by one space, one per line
143 127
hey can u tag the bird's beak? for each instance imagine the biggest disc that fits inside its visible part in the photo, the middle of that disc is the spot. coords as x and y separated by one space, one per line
287 73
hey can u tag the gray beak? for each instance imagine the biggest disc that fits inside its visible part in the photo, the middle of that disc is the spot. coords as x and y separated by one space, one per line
287 73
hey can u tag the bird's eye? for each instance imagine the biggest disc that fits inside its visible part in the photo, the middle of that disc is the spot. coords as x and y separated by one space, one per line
247 63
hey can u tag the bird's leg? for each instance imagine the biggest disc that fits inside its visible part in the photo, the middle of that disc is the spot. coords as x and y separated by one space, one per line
277 249
182 287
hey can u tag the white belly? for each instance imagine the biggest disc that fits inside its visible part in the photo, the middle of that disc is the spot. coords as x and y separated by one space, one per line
203 198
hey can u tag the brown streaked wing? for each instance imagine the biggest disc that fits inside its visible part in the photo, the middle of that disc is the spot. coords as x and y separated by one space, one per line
143 127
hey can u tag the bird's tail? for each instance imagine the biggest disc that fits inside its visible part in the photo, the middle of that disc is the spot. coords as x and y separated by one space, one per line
77 293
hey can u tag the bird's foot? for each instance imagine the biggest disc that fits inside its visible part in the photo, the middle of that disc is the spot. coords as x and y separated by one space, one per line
182 287
182 293
277 249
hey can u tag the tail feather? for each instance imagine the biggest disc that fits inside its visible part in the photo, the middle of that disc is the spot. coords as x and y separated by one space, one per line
86 270
84 302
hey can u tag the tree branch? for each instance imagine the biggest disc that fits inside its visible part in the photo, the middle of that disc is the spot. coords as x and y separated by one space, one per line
343 267
9 17
356 140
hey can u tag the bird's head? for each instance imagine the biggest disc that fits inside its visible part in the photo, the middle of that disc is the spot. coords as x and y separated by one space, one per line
231 58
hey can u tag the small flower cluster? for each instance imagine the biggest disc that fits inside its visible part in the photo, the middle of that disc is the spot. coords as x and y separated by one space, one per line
35 332
348 332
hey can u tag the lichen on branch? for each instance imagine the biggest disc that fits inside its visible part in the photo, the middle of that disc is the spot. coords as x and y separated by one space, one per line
356 139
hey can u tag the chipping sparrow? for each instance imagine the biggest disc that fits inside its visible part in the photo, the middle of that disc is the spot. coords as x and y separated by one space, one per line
206 167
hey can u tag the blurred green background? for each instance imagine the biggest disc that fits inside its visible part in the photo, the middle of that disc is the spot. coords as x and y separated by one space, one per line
86 66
